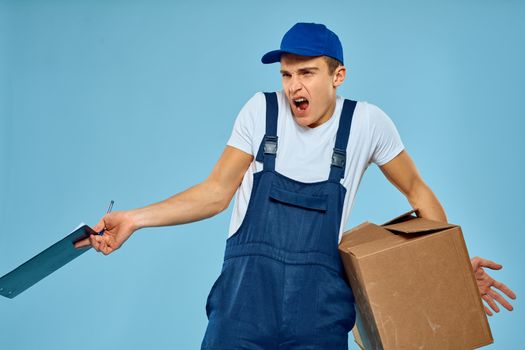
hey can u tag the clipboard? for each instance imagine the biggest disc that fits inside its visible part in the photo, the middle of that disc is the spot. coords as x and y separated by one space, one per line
45 263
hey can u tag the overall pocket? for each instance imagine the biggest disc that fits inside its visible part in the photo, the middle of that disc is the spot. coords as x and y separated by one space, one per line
212 297
296 217
305 201
335 304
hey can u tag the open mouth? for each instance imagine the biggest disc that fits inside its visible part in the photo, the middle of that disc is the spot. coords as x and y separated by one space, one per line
301 103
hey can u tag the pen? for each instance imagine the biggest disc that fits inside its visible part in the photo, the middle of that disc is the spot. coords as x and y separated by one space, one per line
109 211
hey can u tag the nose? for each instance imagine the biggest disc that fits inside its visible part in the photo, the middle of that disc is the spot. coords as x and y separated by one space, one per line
295 85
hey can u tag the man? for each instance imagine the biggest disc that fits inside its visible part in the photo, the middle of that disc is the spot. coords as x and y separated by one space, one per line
295 159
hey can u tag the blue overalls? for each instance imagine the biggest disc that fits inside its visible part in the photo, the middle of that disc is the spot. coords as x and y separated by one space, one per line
282 283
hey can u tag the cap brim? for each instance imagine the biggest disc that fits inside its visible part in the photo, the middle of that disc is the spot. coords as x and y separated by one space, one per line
275 56
272 57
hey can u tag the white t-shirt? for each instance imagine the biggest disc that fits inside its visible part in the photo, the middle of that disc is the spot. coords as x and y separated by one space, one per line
305 154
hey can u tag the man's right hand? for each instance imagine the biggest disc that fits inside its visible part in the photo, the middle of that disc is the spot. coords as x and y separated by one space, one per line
201 201
118 227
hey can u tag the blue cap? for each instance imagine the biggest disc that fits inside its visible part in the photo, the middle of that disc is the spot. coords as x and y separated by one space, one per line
307 39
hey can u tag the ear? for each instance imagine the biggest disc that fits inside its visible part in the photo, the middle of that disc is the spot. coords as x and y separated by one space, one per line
339 76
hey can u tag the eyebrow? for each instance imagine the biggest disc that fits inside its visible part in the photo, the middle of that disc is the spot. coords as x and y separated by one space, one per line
302 70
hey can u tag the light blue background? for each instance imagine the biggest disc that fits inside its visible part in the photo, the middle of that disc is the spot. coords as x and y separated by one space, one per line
135 100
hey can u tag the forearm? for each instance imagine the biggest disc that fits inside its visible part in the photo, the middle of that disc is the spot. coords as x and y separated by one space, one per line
196 203
422 198
201 201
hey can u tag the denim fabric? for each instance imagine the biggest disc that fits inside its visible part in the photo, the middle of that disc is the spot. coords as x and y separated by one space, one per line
282 283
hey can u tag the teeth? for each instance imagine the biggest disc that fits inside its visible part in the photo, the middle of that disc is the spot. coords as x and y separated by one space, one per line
299 100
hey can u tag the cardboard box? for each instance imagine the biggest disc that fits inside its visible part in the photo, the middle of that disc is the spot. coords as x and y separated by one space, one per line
414 286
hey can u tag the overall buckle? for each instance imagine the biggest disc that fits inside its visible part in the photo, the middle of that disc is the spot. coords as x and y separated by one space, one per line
339 158
270 144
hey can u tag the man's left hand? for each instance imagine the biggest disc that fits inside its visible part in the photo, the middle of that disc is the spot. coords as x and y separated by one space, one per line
488 285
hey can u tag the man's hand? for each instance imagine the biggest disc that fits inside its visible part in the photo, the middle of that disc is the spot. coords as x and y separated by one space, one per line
485 284
201 201
118 227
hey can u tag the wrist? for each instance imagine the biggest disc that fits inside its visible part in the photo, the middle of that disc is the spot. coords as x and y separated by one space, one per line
137 219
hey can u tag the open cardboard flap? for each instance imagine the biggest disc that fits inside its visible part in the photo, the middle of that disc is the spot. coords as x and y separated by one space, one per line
418 226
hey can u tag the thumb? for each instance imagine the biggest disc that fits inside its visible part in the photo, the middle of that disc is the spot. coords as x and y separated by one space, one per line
101 225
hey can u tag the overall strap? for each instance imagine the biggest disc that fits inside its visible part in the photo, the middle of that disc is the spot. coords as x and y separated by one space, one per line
337 168
268 148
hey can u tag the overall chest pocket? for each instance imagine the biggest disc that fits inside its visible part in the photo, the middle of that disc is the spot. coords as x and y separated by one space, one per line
297 219
305 201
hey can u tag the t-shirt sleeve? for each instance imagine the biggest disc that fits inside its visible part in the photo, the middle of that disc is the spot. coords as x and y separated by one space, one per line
242 136
386 142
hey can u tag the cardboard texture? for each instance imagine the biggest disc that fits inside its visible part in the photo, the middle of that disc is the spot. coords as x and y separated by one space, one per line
414 286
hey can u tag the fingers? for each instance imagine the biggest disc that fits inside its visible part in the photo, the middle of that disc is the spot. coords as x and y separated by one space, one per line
101 244
488 263
508 292
100 225
487 311
94 242
488 299
491 297
495 295
106 250
82 243
97 242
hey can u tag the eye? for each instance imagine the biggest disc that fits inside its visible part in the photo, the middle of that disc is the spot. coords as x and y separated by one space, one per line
285 75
